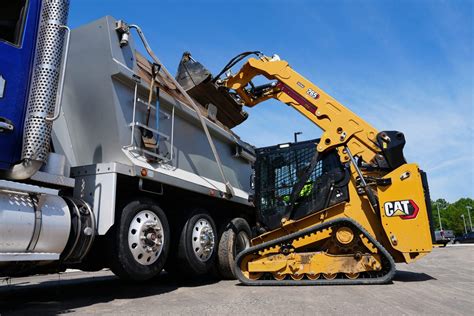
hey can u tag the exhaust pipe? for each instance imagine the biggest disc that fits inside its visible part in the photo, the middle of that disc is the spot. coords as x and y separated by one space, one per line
46 81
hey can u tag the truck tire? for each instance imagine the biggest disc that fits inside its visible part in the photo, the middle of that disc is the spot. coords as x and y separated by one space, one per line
140 241
234 239
196 246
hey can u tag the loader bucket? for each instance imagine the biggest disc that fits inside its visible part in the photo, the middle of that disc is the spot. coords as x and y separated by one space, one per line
197 81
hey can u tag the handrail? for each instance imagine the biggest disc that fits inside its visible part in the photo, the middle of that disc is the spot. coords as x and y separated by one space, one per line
59 96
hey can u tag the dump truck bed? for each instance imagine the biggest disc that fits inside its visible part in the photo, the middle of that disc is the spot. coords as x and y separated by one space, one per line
105 103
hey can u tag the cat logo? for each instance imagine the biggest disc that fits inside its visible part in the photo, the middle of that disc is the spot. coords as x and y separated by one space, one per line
406 209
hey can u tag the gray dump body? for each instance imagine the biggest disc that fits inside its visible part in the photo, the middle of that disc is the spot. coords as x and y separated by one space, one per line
95 129
130 148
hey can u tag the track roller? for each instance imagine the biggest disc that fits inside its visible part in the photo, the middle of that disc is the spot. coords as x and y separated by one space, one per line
329 253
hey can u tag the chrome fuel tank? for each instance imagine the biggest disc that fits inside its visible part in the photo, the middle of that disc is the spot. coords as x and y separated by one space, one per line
32 225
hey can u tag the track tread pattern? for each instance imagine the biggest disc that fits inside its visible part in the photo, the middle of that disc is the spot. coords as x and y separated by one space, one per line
386 278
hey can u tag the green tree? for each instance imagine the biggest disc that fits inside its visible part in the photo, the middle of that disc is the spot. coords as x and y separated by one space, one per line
450 214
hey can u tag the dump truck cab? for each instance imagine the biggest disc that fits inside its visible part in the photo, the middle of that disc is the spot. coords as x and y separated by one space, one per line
19 21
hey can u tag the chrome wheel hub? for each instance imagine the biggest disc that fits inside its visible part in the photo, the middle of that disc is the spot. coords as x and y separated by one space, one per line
145 237
203 240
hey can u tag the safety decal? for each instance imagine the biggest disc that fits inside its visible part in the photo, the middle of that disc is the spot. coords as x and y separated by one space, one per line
406 209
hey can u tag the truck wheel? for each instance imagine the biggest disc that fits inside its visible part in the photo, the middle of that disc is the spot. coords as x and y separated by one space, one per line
234 239
140 242
197 245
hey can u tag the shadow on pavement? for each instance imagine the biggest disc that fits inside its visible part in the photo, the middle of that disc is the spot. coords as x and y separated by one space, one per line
54 297
408 276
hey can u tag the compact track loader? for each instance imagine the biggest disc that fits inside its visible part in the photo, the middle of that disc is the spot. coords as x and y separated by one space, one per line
341 209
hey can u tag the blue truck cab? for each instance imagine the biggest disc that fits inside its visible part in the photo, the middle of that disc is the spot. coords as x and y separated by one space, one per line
19 22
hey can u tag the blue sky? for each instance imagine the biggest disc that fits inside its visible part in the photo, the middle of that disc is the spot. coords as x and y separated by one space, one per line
403 65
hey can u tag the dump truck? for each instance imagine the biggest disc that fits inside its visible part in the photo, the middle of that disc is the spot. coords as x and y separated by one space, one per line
107 162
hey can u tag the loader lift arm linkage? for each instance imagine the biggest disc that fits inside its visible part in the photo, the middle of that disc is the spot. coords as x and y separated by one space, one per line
351 241
340 125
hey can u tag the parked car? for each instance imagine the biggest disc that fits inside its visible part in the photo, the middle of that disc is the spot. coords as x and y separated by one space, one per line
464 239
443 237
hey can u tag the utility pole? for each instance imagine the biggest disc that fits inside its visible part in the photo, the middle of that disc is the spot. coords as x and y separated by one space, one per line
295 134
469 214
464 220
439 217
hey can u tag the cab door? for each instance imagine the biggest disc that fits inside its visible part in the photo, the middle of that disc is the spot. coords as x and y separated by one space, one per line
19 21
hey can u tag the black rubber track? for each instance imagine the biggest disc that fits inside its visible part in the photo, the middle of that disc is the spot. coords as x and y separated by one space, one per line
387 277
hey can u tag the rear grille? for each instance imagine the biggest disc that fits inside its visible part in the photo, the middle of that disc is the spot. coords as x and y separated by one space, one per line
426 189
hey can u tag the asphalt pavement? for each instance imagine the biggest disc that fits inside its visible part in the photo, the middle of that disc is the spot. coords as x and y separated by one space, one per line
441 283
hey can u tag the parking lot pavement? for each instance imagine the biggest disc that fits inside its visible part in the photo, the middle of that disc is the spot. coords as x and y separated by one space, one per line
441 283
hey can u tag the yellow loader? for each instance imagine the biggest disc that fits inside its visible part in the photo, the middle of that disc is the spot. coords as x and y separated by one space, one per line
342 209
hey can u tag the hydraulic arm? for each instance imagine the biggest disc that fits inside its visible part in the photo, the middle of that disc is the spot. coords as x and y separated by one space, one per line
323 221
341 126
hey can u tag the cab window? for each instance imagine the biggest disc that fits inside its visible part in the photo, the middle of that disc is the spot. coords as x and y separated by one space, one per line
12 20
